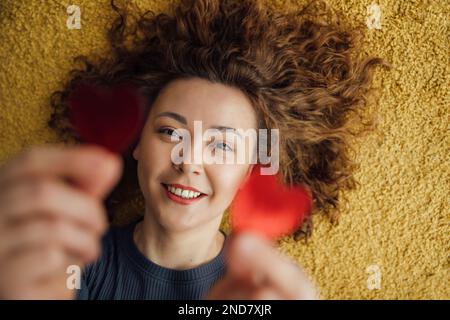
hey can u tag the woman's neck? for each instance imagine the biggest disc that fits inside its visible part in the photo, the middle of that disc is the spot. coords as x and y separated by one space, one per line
177 251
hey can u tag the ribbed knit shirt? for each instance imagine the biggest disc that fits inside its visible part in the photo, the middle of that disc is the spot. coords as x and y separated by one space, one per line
123 272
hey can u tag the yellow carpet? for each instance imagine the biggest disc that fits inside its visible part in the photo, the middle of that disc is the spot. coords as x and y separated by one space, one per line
397 223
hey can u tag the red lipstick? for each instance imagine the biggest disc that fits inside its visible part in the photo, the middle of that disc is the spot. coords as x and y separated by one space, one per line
179 199
176 185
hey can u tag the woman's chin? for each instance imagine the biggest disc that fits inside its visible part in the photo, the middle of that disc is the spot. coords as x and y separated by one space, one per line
177 222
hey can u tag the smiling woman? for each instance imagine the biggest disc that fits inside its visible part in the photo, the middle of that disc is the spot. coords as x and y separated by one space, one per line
230 65
200 100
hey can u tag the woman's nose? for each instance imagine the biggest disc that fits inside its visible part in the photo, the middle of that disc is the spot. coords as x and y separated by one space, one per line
191 159
190 168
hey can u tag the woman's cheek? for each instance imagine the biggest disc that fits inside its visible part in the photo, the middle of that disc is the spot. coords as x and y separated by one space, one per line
150 165
227 181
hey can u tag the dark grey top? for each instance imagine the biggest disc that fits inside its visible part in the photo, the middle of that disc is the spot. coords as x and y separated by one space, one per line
123 272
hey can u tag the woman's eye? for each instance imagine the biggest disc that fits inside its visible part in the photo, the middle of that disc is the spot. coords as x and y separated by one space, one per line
169 132
224 146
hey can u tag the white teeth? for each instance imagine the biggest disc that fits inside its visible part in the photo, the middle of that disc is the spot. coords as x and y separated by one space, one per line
187 194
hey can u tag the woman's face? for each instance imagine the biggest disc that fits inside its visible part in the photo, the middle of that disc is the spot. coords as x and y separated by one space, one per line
178 105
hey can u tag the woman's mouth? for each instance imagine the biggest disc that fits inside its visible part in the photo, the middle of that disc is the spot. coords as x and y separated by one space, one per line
181 195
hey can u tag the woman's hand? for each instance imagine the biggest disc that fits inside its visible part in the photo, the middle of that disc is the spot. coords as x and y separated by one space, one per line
47 224
258 271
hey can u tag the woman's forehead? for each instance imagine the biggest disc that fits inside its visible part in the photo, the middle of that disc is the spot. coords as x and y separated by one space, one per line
214 104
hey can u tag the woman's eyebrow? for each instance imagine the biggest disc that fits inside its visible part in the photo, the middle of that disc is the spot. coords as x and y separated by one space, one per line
181 119
222 128
173 115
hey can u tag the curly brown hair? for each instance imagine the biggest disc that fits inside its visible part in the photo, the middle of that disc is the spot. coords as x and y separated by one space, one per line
301 70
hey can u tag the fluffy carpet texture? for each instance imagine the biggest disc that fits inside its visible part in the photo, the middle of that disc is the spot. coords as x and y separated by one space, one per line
396 225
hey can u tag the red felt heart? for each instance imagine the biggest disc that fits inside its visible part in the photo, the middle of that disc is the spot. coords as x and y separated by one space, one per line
110 117
267 207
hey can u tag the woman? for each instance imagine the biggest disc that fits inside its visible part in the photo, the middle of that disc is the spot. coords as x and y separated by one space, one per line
228 64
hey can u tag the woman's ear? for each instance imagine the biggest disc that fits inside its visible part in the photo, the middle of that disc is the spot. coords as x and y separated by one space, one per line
136 151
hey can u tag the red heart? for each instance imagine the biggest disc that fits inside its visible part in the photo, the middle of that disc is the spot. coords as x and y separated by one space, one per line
269 208
110 117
